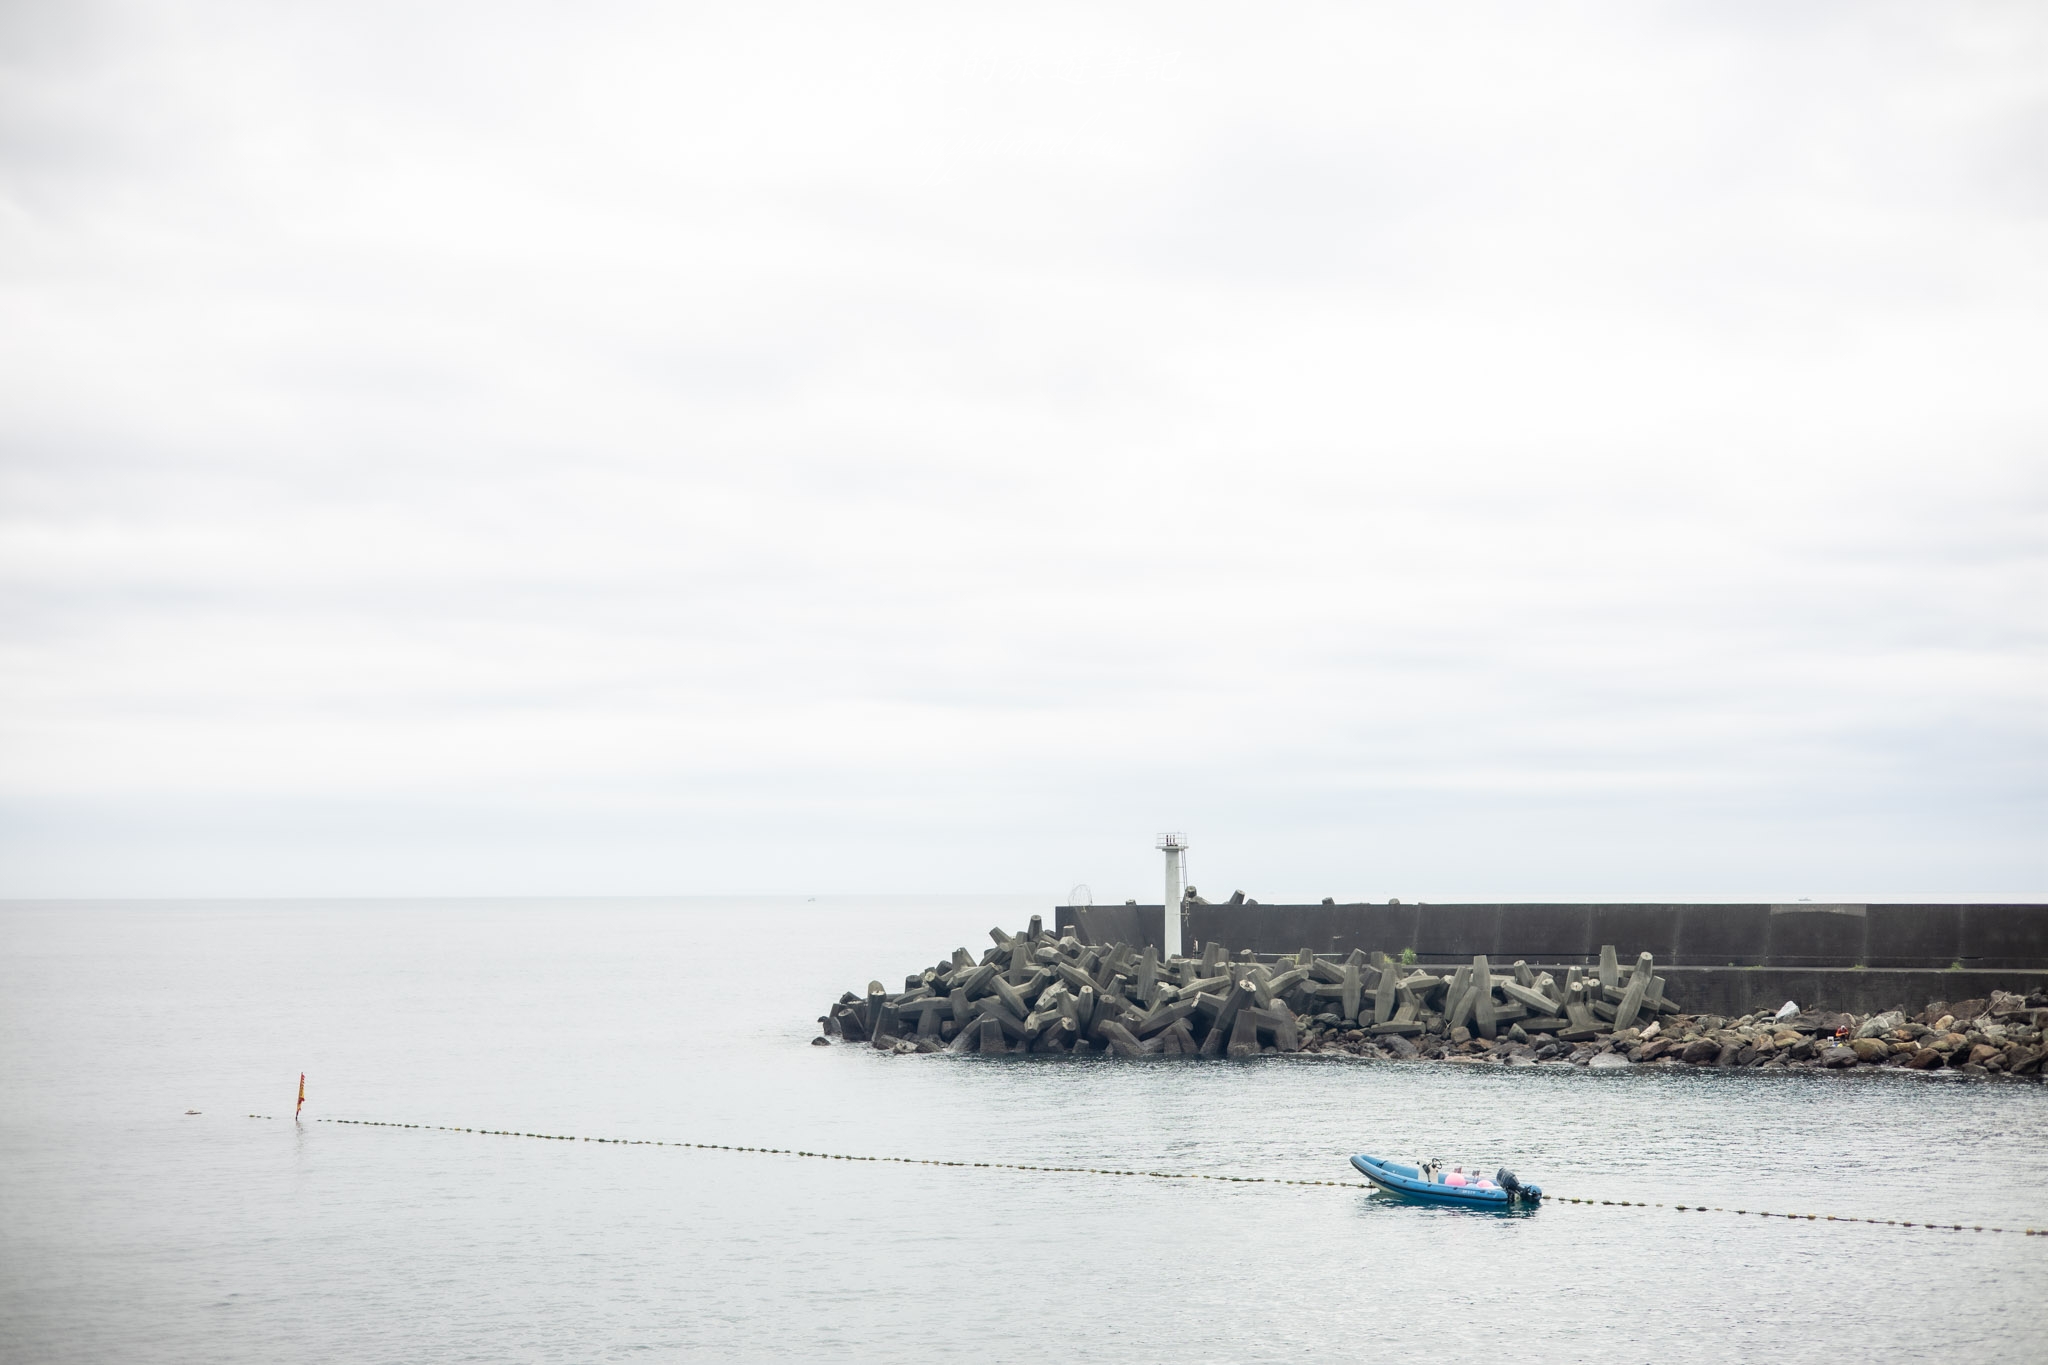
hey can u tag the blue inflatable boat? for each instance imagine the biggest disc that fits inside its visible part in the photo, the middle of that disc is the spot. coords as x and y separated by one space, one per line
1438 1186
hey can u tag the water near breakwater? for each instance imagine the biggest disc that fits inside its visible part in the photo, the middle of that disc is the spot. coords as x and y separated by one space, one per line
133 1230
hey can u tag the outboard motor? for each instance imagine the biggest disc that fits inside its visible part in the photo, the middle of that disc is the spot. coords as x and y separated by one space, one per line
1517 1192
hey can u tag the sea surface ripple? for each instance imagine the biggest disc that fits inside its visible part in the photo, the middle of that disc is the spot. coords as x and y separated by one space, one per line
131 1230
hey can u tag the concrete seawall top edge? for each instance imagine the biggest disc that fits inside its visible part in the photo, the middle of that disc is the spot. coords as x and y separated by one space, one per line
1780 906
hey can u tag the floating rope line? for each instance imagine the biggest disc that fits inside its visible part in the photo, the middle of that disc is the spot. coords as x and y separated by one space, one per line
1799 1217
1150 1175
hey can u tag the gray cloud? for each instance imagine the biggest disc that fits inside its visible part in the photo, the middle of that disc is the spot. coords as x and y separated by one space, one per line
635 449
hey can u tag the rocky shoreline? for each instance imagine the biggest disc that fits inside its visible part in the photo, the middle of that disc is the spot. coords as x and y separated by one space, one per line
1033 993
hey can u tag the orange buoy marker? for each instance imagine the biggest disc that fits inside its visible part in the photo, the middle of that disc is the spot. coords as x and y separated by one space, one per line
302 1097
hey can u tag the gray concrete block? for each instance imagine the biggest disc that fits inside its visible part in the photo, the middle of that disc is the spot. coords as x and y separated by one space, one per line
1244 1034
1482 998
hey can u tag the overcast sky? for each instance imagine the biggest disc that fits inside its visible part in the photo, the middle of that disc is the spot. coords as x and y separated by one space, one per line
1436 451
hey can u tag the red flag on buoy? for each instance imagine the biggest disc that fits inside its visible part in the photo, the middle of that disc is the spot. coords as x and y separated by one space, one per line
302 1094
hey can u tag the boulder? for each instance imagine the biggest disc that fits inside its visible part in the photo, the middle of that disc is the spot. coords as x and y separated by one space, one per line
1871 1049
1880 1023
1839 1056
1700 1050
1982 1053
1925 1059
1967 1010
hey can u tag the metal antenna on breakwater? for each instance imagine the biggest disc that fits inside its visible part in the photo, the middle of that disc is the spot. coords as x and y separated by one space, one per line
1176 848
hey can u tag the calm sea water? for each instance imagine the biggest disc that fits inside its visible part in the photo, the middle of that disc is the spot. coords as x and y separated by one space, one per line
129 1230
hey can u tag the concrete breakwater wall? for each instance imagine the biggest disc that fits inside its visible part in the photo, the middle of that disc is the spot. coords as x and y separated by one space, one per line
1737 990
1801 934
1728 958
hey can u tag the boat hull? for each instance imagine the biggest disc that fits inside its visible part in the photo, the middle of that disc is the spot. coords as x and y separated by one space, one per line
1407 1182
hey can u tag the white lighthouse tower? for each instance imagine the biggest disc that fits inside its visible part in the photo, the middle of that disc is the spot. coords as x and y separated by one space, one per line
1176 847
